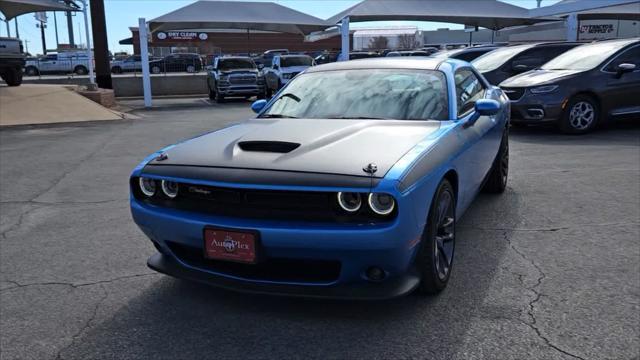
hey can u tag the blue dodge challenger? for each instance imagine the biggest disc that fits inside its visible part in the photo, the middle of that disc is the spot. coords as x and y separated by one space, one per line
347 184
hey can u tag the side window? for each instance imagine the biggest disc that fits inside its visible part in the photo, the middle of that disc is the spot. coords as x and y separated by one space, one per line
469 89
631 56
537 56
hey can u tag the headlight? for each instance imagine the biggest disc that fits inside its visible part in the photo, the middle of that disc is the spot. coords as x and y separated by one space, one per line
544 89
286 76
350 202
147 186
170 188
381 204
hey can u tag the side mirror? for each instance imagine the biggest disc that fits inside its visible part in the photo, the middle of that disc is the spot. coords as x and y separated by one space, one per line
625 68
487 107
258 105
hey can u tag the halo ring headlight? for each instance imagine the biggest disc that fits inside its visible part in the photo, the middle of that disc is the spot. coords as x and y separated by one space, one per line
147 186
381 204
170 188
349 201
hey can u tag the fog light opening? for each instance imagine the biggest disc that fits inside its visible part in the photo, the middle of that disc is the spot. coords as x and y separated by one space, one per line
375 273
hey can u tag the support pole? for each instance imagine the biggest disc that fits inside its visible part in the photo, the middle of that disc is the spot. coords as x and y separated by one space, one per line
6 22
18 32
72 42
344 31
248 42
144 57
100 44
92 79
572 27
55 24
44 39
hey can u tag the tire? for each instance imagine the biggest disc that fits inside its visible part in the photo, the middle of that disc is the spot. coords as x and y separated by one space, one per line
117 70
499 173
32 71
219 98
435 256
212 94
13 77
156 69
269 93
580 116
191 69
261 96
80 70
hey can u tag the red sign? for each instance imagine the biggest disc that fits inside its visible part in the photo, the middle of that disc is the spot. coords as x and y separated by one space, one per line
230 245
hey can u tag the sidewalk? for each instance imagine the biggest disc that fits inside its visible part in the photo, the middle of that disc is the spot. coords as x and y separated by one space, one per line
31 104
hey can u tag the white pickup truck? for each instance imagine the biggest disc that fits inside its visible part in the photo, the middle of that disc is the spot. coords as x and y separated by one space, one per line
283 69
76 62
11 60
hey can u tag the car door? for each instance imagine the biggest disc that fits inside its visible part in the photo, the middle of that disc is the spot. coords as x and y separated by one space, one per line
479 136
49 63
622 91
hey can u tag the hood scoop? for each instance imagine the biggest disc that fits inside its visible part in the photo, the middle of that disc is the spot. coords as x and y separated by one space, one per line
279 147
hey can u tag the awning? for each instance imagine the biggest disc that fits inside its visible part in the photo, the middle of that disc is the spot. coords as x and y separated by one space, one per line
13 8
238 15
592 9
490 14
127 41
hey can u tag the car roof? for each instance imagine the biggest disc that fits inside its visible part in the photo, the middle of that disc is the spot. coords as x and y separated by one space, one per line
415 62
234 57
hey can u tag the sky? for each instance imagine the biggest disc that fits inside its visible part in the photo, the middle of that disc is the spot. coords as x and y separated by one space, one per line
121 14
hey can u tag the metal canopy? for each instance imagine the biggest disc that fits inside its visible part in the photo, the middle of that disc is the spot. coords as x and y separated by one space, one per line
238 15
13 8
592 9
489 14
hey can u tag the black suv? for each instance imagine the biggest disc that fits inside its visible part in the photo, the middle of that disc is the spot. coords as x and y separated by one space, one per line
235 76
579 88
501 64
177 63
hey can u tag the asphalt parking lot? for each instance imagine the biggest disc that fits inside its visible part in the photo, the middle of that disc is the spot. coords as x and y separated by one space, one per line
549 270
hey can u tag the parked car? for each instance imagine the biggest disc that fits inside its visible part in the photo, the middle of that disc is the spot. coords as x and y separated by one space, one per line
266 59
327 57
409 53
501 64
76 62
130 63
235 76
283 69
347 185
12 60
580 88
179 62
363 55
466 54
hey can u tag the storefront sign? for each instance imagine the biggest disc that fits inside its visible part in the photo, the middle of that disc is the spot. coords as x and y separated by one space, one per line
181 35
597 29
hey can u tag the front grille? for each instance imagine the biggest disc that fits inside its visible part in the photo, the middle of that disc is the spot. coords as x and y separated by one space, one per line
242 79
261 204
269 269
514 94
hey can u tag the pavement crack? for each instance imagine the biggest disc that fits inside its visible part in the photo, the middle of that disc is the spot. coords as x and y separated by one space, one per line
87 325
535 289
18 223
549 229
74 285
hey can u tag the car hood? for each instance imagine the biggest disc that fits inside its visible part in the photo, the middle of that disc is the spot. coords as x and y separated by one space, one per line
239 71
537 77
303 145
294 69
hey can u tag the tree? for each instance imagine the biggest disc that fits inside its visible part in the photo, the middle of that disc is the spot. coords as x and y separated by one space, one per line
378 43
408 41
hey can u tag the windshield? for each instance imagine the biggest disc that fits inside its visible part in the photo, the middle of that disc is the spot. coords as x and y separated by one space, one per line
296 61
494 59
232 64
363 94
584 57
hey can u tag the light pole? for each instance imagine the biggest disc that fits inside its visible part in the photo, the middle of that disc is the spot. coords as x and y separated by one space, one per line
92 79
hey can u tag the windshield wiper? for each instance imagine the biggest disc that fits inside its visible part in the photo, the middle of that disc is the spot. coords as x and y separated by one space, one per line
277 116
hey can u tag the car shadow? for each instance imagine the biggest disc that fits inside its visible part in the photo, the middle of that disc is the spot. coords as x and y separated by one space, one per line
174 319
620 131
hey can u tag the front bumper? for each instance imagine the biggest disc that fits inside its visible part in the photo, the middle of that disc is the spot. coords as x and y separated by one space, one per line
363 291
390 246
241 90
537 109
